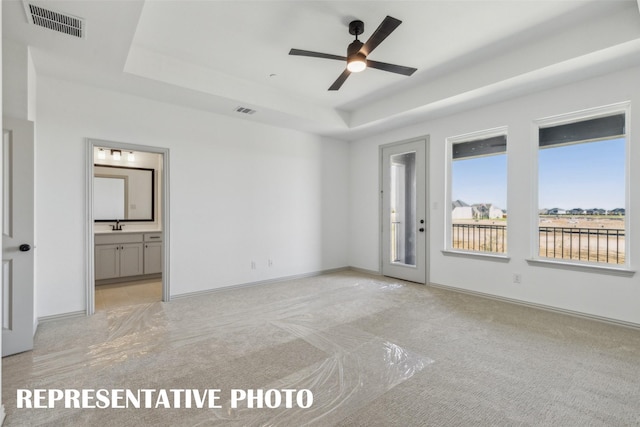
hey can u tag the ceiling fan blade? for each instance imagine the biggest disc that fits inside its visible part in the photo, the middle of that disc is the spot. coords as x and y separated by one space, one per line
398 69
300 52
387 26
340 80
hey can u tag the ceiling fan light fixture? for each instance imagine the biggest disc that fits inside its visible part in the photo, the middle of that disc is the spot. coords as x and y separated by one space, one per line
356 63
357 52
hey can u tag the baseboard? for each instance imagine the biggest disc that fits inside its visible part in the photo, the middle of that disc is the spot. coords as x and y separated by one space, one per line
365 271
259 283
376 273
208 291
539 306
73 314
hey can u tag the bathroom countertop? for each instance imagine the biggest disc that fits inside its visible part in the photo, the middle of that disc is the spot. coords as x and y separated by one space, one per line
126 231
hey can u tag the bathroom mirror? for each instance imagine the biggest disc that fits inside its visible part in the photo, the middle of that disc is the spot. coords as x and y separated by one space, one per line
123 193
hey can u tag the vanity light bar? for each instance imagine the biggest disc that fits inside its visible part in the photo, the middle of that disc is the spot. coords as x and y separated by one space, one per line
244 110
115 154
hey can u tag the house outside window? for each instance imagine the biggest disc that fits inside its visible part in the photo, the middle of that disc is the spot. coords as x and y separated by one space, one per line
477 192
582 187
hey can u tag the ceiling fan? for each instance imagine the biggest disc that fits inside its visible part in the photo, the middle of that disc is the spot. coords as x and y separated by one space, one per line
357 52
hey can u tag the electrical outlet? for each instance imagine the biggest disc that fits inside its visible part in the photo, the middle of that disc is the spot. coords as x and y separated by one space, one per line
253 265
517 278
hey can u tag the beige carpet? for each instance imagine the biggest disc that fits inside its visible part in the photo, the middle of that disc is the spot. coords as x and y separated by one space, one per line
374 352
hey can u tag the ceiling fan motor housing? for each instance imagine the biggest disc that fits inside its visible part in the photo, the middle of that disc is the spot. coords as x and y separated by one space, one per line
354 48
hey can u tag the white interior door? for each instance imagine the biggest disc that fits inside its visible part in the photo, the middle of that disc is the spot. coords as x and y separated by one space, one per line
17 235
403 211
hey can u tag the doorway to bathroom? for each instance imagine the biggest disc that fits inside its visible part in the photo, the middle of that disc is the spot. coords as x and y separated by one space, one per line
127 228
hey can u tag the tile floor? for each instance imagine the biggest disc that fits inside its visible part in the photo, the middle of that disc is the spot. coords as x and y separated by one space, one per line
128 293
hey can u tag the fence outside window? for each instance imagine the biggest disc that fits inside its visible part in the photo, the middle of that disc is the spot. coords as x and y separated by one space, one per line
580 244
583 244
480 237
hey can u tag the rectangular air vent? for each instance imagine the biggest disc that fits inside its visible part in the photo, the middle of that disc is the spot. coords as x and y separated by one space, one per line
56 21
244 110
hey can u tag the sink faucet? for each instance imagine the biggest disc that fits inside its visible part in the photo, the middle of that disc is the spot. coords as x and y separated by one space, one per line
117 227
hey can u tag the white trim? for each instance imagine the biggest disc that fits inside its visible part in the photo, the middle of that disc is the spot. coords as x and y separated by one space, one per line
491 256
259 283
89 231
582 115
449 142
534 224
592 267
166 235
627 183
538 306
3 414
574 117
61 316
365 271
480 134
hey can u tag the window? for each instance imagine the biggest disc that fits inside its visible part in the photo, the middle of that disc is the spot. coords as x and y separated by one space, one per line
582 189
478 192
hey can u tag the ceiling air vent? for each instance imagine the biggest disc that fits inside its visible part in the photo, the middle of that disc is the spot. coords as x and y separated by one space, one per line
244 110
56 21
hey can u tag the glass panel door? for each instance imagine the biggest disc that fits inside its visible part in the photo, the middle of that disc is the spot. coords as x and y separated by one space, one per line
403 211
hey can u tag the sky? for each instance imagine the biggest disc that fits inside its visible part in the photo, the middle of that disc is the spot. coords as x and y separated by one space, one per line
586 175
480 180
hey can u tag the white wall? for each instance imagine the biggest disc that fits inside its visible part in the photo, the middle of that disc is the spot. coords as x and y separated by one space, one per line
18 81
239 192
592 293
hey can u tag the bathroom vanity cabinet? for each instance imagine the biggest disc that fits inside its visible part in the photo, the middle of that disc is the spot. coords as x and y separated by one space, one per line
126 255
152 253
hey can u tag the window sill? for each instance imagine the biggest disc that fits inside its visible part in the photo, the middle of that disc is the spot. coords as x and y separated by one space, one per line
478 255
590 268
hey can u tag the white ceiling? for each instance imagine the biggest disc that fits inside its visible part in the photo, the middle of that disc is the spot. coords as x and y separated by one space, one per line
217 55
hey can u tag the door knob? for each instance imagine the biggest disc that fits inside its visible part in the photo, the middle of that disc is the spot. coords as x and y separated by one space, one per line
24 247
421 230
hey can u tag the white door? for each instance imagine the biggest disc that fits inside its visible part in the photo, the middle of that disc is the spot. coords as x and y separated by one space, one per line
17 235
404 254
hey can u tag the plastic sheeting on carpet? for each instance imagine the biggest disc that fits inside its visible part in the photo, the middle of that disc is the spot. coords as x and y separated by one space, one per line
357 367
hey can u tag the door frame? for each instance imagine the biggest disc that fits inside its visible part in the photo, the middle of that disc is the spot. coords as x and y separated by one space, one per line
381 148
164 208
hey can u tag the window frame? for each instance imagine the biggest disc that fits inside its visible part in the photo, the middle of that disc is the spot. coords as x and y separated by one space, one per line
448 234
568 118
